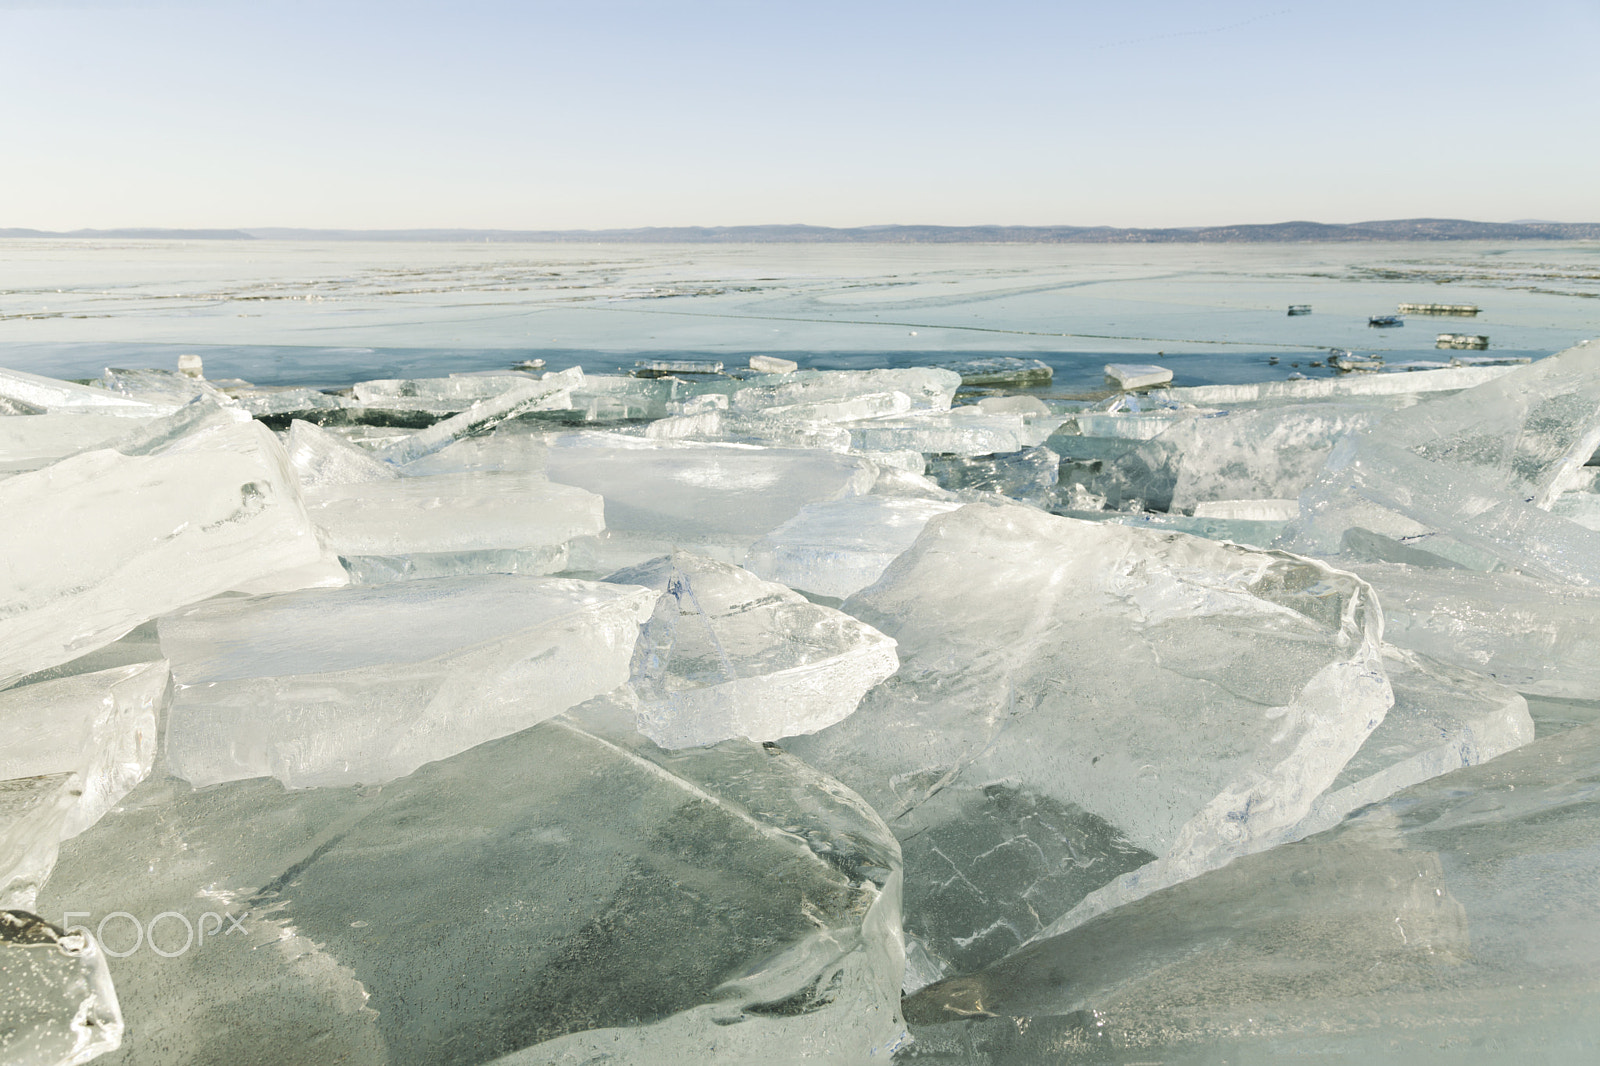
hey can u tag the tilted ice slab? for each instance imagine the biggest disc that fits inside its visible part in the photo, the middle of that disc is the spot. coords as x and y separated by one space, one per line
95 544
57 1004
1172 697
365 684
552 392
72 748
64 397
665 494
514 446
1029 475
1462 913
29 442
926 388
321 458
1534 636
726 654
569 893
1443 719
842 546
1473 474
1413 383
968 430
452 513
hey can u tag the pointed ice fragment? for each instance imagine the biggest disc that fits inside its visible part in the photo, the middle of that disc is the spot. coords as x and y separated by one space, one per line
95 544
726 654
1190 698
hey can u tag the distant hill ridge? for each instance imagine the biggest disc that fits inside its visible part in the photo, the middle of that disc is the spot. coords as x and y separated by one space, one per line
1404 229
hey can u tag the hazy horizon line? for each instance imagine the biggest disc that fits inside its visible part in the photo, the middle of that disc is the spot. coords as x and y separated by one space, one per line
1408 229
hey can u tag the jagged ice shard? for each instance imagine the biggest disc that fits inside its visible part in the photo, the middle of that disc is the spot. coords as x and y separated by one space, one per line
1181 699
727 655
1461 914
97 543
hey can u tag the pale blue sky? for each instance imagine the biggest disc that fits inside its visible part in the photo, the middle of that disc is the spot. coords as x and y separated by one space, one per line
618 113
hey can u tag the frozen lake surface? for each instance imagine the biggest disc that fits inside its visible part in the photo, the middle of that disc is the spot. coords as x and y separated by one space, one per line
322 314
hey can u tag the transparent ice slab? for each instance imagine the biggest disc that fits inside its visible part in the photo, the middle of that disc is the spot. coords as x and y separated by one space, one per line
452 513
726 654
1189 699
1457 919
572 892
364 684
682 490
70 748
97 543
842 546
1413 383
323 458
1029 475
64 397
927 388
30 442
1534 636
552 392
57 1005
967 430
1444 718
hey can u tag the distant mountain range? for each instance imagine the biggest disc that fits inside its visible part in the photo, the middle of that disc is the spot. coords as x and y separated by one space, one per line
1405 229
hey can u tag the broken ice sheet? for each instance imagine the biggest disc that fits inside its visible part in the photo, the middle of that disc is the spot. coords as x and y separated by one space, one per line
1460 913
57 1006
967 430
1475 473
95 544
570 891
842 546
1194 698
1029 475
73 746
452 513
1443 718
364 684
1534 636
661 495
926 388
726 654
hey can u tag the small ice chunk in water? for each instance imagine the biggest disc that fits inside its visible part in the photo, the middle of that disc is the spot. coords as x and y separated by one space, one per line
57 1005
73 746
95 544
1130 376
1002 370
726 654
364 684
771 364
840 547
